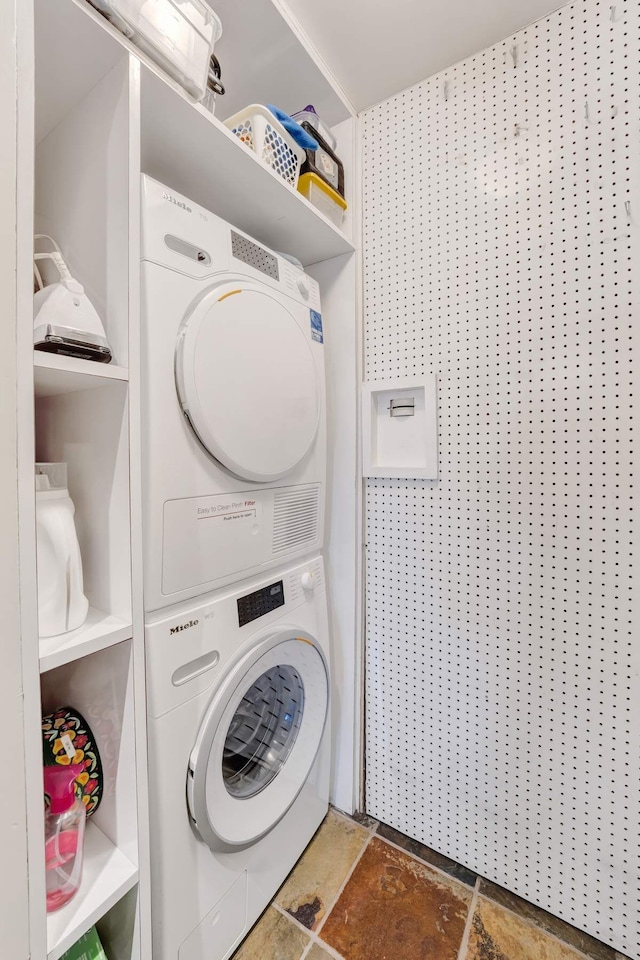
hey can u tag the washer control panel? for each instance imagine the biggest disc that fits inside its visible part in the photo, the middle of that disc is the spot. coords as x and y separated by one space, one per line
262 601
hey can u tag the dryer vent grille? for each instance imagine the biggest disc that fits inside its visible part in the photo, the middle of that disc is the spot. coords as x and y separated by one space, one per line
295 518
255 255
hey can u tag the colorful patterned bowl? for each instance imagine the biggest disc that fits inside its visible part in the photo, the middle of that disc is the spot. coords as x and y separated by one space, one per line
67 738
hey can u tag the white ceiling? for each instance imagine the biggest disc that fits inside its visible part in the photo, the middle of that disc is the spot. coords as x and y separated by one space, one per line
376 48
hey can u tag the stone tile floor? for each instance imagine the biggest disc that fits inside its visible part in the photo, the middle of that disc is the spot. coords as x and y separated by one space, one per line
363 891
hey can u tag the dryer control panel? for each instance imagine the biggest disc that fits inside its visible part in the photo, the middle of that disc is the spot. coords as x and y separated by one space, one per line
256 604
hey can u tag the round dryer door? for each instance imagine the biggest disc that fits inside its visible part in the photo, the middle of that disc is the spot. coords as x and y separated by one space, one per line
258 741
247 381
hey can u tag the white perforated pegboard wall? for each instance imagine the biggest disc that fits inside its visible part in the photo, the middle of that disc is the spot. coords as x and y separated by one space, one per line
501 224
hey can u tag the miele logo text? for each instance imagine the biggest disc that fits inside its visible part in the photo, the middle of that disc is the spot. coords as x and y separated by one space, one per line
184 626
178 203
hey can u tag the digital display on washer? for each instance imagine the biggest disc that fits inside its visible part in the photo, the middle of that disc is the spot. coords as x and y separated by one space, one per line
263 601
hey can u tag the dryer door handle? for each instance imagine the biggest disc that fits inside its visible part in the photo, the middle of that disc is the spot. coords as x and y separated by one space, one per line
195 668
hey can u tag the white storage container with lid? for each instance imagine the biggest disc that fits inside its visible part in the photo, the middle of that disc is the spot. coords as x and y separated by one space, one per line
324 197
177 34
309 114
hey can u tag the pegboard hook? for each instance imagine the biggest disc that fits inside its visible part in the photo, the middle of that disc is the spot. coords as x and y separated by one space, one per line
445 89
612 13
627 209
514 54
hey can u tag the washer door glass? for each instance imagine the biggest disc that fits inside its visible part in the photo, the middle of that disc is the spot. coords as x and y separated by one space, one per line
263 731
247 382
258 740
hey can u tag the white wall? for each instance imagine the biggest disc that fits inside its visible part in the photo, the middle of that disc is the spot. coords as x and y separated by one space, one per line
502 243
337 283
338 279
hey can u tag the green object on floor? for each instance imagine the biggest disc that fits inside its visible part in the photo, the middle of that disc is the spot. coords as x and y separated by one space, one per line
88 947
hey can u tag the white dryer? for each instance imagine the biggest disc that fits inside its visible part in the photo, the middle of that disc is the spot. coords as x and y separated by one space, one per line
238 729
233 403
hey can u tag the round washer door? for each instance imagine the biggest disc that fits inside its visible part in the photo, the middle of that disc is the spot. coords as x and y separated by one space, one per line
259 740
247 382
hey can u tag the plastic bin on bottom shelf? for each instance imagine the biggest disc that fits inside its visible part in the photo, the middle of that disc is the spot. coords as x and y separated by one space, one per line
88 947
322 196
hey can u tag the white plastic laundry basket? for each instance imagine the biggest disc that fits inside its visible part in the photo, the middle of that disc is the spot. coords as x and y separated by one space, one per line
260 131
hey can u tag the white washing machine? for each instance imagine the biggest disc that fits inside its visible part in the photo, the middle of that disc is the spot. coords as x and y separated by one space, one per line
238 731
233 403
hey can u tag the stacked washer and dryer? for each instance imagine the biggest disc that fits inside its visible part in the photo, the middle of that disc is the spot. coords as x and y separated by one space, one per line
237 646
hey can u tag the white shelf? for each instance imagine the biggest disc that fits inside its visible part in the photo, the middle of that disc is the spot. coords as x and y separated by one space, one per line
54 374
63 81
192 152
258 38
107 875
99 630
183 145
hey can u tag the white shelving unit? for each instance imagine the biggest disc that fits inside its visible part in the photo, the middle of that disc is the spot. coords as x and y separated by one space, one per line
107 876
54 375
93 114
185 146
279 64
182 143
101 684
100 630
